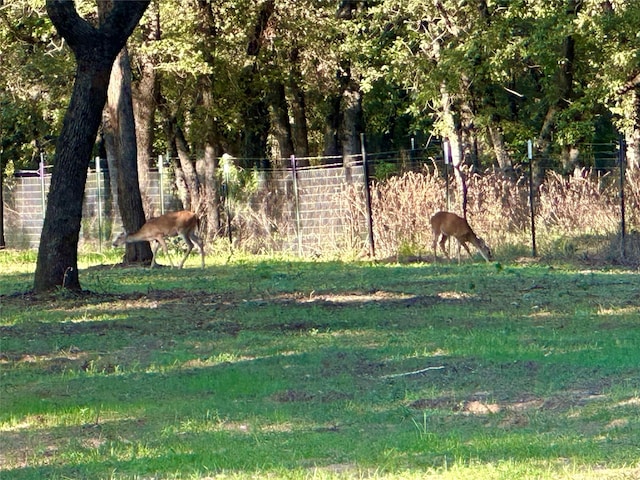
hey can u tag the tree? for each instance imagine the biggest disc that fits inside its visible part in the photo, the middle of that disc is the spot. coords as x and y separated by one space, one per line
3 243
119 130
611 29
120 135
244 76
145 92
256 113
95 50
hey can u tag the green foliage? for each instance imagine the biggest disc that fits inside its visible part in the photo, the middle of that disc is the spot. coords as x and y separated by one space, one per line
409 58
34 83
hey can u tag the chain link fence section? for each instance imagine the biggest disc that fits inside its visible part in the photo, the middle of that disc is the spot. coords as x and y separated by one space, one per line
308 211
323 210
25 206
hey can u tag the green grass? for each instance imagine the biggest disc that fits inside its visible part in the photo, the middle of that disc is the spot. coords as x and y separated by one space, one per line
282 368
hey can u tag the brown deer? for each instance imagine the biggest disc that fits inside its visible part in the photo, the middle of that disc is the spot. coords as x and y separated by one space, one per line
447 224
183 223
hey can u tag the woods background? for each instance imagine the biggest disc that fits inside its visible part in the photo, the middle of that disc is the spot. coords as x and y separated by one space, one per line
265 80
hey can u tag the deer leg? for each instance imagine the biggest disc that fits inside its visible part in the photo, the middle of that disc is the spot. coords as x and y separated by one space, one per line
434 246
198 242
443 240
156 246
161 241
189 248
466 248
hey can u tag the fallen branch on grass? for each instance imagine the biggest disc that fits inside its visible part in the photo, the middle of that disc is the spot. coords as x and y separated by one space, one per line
415 372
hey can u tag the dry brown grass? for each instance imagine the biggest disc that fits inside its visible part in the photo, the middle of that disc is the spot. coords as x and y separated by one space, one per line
577 217
401 209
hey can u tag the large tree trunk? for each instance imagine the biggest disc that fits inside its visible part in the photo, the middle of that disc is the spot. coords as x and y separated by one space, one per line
210 220
633 135
95 51
170 127
331 146
188 169
352 122
280 121
452 131
123 133
298 108
3 244
570 153
468 132
256 111
500 150
186 176
256 121
145 99
212 190
564 83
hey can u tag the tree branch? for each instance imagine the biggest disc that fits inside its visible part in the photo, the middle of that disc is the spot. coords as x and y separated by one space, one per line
111 35
71 26
123 19
632 84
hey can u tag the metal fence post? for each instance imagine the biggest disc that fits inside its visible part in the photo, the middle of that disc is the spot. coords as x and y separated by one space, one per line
534 251
622 159
99 195
294 173
161 180
367 197
412 154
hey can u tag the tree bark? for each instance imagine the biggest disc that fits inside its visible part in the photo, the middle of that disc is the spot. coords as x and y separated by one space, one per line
145 100
256 111
352 122
210 222
564 82
188 170
212 190
468 133
500 150
3 243
280 125
632 136
123 131
331 146
299 129
95 50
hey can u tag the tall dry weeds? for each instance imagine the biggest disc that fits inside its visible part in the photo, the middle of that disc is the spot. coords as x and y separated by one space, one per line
583 203
401 208
584 207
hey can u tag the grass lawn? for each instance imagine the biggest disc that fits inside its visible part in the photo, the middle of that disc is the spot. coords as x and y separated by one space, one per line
280 368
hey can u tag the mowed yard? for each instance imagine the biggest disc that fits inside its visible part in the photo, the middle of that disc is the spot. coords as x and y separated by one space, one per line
262 367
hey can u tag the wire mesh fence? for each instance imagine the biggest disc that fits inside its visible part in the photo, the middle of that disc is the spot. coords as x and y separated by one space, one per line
324 209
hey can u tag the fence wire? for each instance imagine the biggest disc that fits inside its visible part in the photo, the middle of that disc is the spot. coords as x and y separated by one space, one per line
322 210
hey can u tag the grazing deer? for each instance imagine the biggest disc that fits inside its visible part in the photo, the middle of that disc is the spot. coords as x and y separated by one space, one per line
447 224
181 223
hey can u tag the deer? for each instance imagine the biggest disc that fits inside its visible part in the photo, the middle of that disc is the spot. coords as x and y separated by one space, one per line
183 223
447 224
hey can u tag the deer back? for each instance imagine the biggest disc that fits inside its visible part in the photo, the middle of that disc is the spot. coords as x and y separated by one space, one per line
452 225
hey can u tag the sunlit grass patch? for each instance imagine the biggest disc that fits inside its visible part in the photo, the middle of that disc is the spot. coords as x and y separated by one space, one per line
263 368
